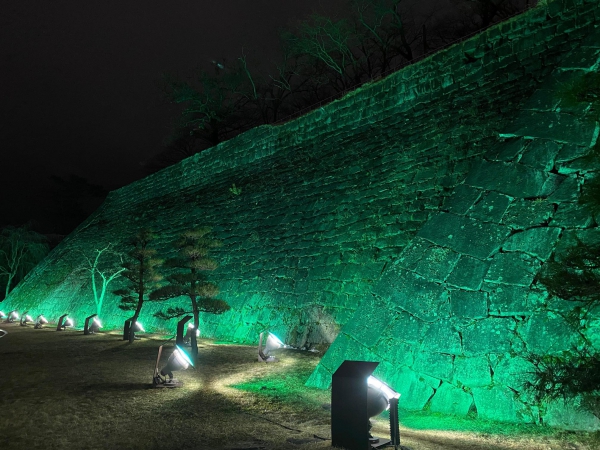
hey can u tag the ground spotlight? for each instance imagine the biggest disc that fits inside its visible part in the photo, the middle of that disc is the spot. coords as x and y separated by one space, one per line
272 342
178 360
63 322
3 315
12 316
25 319
39 322
94 326
136 327
356 396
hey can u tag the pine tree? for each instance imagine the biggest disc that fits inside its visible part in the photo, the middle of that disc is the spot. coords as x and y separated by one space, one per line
574 276
189 279
141 271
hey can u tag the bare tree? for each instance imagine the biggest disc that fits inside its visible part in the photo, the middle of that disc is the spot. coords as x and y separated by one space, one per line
102 272
21 249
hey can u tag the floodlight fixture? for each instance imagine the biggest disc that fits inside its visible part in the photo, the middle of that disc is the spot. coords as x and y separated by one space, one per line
95 326
63 322
179 360
39 322
92 324
3 315
136 327
25 318
272 342
12 316
356 396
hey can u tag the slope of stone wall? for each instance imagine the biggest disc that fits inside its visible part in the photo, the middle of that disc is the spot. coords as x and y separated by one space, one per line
455 316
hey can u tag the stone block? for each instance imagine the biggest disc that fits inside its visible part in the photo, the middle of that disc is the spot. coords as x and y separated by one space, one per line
407 328
508 300
414 390
498 403
550 125
472 371
468 273
320 378
513 372
409 292
436 365
540 154
492 335
412 253
547 333
570 415
573 215
462 198
538 242
512 268
437 263
513 179
568 191
370 319
442 337
491 207
449 399
543 100
469 304
528 213
395 351
463 234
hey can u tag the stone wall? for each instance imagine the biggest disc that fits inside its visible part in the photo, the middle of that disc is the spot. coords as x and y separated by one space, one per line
458 312
346 213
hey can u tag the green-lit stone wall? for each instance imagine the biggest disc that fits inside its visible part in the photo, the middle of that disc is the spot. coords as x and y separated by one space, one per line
454 317
412 214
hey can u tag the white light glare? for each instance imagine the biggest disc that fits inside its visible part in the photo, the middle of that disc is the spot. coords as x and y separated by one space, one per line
191 327
97 322
69 322
276 339
139 326
387 391
28 318
2 315
182 357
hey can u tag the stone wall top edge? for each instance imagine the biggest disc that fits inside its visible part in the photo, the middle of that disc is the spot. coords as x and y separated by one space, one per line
262 141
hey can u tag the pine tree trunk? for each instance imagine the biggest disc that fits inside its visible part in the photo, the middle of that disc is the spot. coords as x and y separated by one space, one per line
134 320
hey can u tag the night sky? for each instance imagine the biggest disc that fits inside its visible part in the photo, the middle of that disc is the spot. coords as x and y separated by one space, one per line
79 90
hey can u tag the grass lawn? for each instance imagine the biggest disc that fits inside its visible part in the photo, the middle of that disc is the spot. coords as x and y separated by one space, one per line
64 390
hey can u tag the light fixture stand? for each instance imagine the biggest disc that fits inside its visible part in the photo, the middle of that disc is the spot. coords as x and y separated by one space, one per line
180 325
158 381
60 326
86 327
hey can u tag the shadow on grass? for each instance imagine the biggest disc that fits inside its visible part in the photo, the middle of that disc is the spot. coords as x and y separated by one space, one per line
116 387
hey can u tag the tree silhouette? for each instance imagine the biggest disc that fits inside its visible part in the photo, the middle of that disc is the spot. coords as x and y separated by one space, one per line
189 279
20 250
140 268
